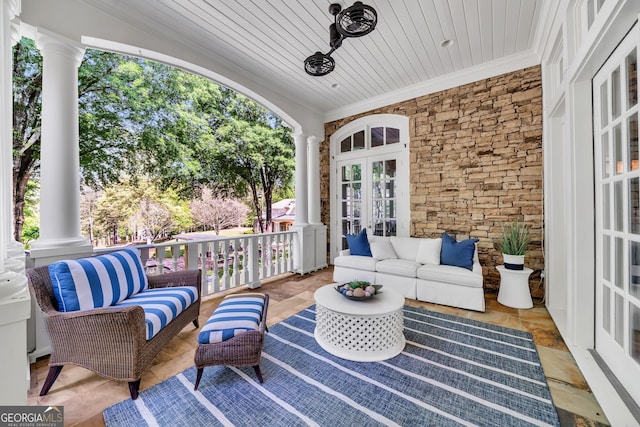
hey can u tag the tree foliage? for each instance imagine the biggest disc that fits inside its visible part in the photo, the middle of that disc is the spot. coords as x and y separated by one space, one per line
143 123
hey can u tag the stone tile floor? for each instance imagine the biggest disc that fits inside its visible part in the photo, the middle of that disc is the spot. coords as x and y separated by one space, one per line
85 395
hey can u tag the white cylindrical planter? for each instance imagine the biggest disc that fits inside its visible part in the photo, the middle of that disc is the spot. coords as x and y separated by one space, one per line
514 287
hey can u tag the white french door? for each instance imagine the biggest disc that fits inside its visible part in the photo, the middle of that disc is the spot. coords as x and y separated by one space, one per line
370 180
615 92
368 196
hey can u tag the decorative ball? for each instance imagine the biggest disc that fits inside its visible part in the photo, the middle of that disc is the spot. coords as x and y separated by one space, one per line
358 292
370 290
349 293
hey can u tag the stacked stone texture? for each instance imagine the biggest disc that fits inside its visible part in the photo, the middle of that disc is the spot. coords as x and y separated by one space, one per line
476 164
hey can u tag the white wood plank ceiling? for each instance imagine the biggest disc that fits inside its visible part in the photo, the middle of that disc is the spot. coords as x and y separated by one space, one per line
271 38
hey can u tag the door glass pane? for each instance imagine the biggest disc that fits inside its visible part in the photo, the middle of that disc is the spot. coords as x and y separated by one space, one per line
356 191
346 227
606 203
634 269
391 227
634 332
357 172
393 136
378 227
632 146
617 149
619 204
390 168
346 209
376 170
606 308
616 105
345 145
377 136
606 257
619 320
346 173
390 209
632 79
377 189
346 191
358 140
604 102
390 189
606 159
618 279
634 205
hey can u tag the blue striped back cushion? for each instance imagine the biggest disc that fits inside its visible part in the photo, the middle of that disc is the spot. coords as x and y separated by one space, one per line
162 305
100 281
234 315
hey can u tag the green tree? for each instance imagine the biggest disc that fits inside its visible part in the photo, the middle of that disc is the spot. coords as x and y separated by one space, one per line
256 147
138 118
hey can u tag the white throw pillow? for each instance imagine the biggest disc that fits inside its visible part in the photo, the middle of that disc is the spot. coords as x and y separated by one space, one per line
382 249
429 251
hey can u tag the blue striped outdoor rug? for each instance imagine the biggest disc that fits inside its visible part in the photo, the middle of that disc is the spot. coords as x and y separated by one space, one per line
453 371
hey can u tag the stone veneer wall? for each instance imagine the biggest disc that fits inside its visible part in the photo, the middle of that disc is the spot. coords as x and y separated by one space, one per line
476 164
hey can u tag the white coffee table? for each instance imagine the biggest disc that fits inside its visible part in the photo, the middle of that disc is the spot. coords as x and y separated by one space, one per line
363 331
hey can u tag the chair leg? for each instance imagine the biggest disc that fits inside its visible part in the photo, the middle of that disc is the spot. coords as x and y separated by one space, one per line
134 386
198 377
196 323
54 371
258 373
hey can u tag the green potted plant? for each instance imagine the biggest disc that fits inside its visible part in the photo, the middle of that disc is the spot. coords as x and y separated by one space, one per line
514 243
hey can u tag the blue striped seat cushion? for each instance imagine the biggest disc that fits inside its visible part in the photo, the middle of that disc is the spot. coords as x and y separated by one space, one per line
234 315
101 281
162 305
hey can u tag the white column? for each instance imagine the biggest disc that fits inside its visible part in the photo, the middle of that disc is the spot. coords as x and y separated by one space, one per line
302 210
60 160
15 302
313 152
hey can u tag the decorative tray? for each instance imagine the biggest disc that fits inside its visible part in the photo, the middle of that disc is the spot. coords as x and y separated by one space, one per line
358 290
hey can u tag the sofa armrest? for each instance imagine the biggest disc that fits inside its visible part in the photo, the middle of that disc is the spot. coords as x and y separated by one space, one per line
79 335
344 252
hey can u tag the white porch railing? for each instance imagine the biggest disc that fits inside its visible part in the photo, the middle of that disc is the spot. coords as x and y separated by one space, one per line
226 262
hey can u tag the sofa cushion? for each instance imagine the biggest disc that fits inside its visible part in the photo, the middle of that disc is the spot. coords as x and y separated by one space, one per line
429 251
162 305
406 247
234 315
358 243
459 254
100 281
382 249
450 274
399 267
356 261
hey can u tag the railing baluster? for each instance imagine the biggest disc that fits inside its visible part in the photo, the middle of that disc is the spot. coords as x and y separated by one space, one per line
253 258
215 279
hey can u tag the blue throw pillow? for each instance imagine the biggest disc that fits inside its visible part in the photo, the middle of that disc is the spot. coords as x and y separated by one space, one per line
358 243
459 254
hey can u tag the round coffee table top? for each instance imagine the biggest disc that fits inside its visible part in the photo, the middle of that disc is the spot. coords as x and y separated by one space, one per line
386 301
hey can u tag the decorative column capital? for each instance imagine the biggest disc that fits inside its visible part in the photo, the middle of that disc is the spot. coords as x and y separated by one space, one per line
312 140
47 41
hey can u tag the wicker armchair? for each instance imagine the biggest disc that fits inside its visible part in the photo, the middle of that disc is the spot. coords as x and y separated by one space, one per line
110 341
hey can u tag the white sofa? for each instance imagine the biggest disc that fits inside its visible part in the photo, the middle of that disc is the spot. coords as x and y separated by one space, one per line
412 267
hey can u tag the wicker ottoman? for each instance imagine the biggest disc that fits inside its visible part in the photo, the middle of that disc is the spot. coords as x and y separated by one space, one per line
234 334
